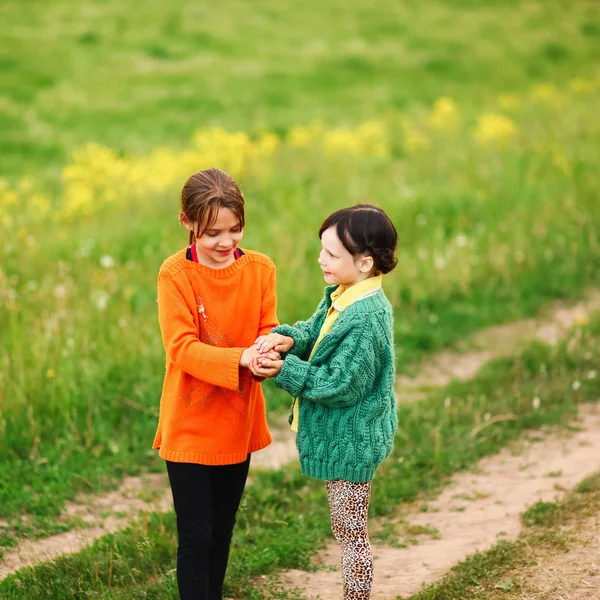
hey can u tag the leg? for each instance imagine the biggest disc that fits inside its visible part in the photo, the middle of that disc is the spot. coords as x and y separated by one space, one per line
228 484
191 487
349 506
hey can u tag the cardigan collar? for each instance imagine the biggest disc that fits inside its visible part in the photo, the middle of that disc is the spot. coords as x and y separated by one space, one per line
343 297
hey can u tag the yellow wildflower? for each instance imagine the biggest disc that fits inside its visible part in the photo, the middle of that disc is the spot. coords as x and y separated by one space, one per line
444 116
583 87
300 137
415 140
494 129
509 101
50 373
547 93
267 144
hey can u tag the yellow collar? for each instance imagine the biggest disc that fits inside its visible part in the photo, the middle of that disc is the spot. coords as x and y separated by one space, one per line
342 297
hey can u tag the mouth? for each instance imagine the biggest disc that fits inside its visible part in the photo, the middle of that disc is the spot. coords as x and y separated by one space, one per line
224 252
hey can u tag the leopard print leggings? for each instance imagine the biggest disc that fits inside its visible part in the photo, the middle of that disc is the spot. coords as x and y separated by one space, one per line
348 505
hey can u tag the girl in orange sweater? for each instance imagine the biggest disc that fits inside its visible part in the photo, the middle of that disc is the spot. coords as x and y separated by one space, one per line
214 299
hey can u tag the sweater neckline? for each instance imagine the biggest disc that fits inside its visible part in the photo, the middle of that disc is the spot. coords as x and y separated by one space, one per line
223 273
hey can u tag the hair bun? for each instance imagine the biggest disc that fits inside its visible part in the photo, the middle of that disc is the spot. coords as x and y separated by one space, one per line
385 259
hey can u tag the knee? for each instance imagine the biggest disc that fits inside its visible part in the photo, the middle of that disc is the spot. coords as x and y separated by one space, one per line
223 530
195 535
350 531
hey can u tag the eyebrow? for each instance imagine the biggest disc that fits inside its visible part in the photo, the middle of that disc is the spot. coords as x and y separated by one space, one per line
214 229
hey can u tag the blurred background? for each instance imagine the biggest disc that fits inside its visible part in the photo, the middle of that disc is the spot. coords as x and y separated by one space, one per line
474 124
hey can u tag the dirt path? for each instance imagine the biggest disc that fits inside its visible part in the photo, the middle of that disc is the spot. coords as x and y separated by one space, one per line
101 515
499 340
570 575
125 503
472 513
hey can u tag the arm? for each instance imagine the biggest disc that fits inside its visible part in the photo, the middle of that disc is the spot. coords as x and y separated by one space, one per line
304 333
217 366
338 383
268 313
268 309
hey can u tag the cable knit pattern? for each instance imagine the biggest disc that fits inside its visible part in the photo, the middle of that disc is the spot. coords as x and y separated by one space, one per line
347 401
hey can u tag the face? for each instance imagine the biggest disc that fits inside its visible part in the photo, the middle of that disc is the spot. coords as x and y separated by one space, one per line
338 265
216 245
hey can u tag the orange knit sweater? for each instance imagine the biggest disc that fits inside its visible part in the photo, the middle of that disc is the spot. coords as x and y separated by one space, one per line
212 411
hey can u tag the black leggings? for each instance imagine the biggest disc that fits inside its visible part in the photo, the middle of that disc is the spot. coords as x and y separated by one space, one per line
206 500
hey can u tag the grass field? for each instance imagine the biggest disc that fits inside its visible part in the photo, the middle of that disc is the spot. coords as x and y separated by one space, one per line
475 125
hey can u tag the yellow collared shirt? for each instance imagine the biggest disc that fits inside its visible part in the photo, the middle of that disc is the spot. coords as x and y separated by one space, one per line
341 298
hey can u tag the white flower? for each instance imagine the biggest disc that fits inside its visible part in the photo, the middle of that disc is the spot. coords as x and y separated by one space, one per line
536 403
592 375
101 302
440 263
422 253
70 342
108 262
122 323
576 385
487 417
448 402
60 291
461 240
433 318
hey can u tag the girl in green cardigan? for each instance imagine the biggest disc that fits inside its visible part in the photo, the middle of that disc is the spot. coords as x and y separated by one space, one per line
339 368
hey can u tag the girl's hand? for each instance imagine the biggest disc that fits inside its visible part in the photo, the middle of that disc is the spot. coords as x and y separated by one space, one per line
251 353
265 367
274 341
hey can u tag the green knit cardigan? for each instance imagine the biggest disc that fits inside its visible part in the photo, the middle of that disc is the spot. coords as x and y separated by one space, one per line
347 415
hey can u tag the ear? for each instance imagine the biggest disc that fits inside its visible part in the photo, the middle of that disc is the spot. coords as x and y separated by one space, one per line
183 220
366 264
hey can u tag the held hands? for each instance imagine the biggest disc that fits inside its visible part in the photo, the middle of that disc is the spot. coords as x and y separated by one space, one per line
251 353
264 364
265 367
274 341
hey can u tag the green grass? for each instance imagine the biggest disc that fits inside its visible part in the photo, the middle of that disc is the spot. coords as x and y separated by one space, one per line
489 232
284 516
487 235
135 78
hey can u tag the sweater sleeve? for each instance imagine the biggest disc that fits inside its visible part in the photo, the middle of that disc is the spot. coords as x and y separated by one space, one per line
304 333
340 382
268 309
214 365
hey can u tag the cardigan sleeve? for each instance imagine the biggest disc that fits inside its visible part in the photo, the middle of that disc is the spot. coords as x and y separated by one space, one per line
341 381
304 333
214 365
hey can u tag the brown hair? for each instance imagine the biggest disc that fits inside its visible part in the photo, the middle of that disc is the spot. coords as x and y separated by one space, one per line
204 193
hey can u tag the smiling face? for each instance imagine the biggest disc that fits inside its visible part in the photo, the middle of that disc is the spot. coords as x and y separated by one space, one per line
216 246
338 265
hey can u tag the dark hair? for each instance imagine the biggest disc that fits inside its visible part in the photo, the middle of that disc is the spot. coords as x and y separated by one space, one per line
366 229
204 193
